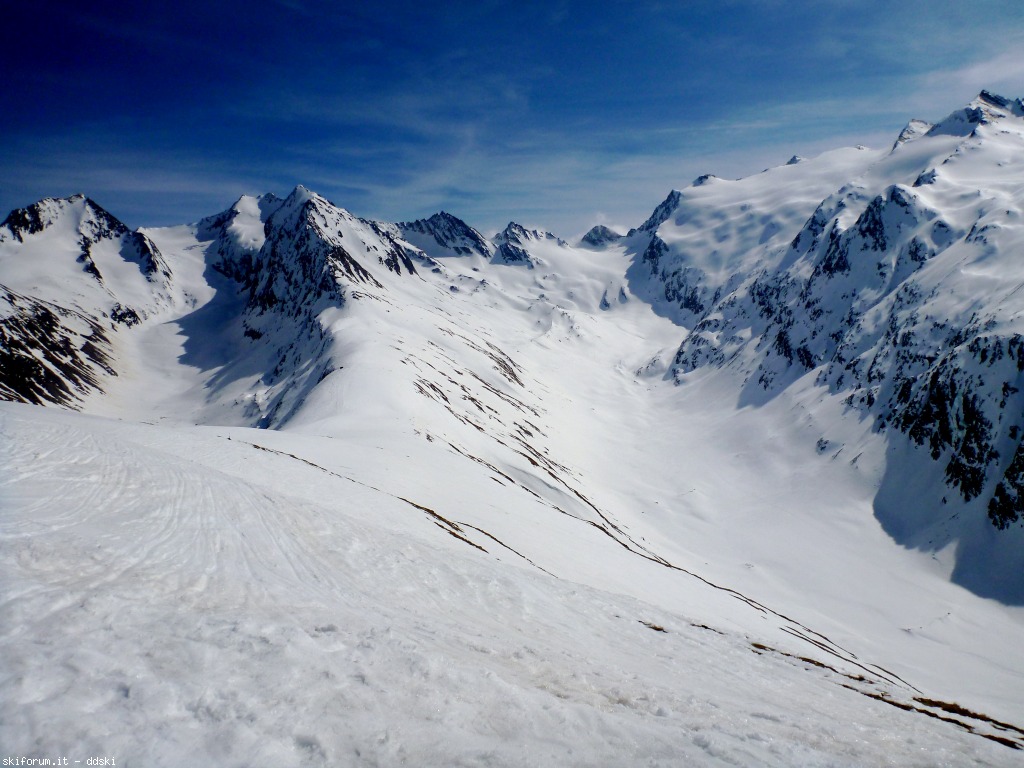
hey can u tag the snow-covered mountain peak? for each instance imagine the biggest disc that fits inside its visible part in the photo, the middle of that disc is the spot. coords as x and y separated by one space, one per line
997 106
702 241
515 243
665 209
599 235
300 243
299 200
59 233
74 277
238 234
257 206
299 195
447 231
984 109
518 234
77 212
913 130
243 224
305 216
879 298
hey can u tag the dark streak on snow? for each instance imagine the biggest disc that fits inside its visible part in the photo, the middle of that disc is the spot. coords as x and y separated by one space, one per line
651 625
1006 742
884 696
921 705
443 523
449 526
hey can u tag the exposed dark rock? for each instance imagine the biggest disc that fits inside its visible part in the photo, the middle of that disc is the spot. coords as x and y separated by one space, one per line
512 244
600 235
661 214
1006 506
450 232
43 358
24 221
848 304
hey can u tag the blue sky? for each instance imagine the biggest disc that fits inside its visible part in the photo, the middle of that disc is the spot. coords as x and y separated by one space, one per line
556 114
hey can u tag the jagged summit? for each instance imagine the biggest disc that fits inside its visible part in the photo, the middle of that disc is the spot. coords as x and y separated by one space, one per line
599 235
997 105
77 211
306 209
510 243
913 130
301 199
514 242
74 276
246 201
661 213
258 207
444 219
517 233
96 230
984 109
267 203
449 232
238 234
300 194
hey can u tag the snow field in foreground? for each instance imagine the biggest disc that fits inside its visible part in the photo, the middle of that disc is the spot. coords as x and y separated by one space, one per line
165 612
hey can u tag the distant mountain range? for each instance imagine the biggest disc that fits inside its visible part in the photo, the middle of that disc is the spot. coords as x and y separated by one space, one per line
774 434
889 278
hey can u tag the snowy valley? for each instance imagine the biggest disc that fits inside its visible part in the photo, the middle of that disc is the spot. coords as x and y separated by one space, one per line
742 486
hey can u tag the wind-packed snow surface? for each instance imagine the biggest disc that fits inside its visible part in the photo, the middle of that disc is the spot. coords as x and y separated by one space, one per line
345 492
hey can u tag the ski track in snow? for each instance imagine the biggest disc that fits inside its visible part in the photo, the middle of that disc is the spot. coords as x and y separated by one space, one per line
178 613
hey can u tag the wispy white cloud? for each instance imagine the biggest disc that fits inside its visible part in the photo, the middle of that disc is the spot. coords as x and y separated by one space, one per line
446 126
1002 73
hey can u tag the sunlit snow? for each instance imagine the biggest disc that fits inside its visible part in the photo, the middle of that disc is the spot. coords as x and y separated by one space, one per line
356 496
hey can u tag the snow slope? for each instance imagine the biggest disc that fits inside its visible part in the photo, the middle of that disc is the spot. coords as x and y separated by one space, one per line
899 294
166 604
352 492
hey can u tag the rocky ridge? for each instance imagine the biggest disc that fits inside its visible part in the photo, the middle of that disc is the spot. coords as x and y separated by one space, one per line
898 292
